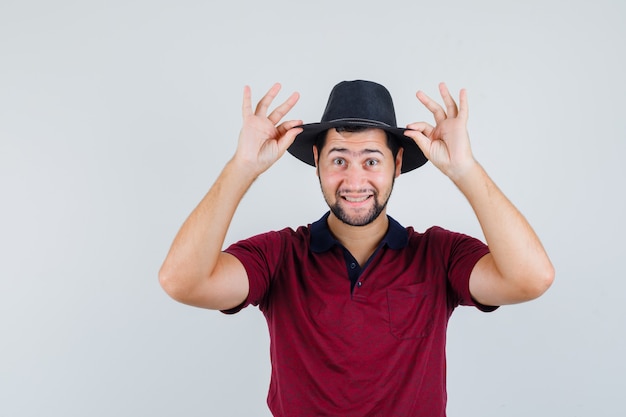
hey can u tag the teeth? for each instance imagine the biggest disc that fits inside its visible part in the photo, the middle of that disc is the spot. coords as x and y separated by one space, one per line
356 199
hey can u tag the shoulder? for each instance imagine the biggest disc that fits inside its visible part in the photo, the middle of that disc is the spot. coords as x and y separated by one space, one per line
438 233
445 243
270 239
432 235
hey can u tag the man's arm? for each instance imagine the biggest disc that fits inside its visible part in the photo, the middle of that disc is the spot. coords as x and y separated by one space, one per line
518 268
196 271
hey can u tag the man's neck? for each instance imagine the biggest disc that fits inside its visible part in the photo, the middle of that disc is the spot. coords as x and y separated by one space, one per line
360 241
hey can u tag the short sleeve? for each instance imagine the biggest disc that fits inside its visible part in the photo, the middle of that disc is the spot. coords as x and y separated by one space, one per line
462 252
260 256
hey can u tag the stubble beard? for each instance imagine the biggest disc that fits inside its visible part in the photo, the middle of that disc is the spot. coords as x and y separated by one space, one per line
358 220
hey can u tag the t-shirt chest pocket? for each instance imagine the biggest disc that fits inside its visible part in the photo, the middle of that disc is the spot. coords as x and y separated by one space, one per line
411 311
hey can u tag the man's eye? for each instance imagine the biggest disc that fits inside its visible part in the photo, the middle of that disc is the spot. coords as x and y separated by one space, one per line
339 161
371 162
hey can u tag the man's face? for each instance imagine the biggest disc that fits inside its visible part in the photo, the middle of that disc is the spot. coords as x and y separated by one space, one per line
356 172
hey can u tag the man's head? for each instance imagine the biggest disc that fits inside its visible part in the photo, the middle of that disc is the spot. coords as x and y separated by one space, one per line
358 104
357 167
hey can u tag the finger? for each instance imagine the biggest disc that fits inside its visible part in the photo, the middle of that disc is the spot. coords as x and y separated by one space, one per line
289 136
463 105
283 128
423 127
451 108
264 104
437 111
421 140
280 111
246 107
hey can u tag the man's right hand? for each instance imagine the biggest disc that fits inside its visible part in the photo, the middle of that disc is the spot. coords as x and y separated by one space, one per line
262 140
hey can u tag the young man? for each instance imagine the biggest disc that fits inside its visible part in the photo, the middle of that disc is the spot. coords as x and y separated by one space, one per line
357 305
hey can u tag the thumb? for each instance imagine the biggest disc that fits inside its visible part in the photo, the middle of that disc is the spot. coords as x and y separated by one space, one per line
421 140
286 139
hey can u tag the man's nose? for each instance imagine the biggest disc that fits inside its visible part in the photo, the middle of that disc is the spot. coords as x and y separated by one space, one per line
355 176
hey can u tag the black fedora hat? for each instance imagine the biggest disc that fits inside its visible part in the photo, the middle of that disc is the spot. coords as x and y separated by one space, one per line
358 103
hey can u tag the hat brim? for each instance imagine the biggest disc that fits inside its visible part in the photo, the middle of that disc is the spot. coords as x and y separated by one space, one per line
302 147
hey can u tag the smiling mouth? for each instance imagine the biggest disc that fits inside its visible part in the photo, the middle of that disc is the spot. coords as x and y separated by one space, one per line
356 199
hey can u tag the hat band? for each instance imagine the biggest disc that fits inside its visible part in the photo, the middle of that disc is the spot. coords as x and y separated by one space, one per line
355 120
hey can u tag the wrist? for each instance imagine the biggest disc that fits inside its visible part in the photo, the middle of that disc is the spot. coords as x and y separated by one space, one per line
241 171
464 172
245 168
471 180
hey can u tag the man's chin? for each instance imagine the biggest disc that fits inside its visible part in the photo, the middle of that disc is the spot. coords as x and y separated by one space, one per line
355 220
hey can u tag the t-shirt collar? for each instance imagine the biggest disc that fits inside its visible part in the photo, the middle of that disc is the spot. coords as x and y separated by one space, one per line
322 240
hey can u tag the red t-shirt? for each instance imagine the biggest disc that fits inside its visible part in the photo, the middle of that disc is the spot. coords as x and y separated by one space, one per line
373 347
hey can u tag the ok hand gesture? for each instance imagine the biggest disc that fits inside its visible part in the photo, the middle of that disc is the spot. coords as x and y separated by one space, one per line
262 141
446 144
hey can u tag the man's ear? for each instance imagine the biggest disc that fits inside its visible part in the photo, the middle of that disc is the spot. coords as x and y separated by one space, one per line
399 162
316 159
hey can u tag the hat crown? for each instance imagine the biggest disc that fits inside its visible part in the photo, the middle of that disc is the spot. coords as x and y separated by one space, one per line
359 99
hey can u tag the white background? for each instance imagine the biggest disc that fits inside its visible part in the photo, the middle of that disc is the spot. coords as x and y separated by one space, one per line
116 117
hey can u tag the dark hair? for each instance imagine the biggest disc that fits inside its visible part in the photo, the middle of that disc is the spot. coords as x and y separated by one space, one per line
392 143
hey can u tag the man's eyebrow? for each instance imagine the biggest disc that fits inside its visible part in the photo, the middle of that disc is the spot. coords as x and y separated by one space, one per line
362 152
